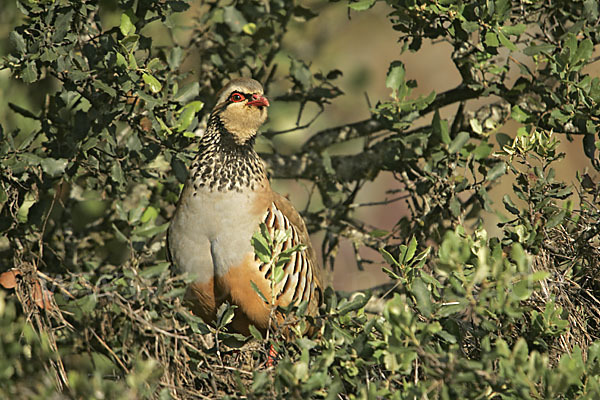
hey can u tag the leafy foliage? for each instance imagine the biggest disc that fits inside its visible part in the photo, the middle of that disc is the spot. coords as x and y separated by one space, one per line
93 160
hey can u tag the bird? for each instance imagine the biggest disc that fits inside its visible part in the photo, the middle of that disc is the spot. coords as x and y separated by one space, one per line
225 201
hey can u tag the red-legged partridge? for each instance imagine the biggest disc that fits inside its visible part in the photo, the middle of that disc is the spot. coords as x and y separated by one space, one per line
226 198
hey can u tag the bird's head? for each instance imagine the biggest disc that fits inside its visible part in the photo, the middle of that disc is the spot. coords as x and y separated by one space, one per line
242 108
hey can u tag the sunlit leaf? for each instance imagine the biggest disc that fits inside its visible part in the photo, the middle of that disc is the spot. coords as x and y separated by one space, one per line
152 82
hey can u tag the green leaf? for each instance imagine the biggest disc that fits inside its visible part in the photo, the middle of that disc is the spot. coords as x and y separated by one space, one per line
150 231
458 142
119 235
187 92
261 247
506 42
584 51
589 145
395 76
422 296
257 290
440 128
130 43
105 88
234 19
17 41
121 62
556 219
509 205
518 114
522 289
152 82
514 30
491 39
390 273
535 49
255 332
227 313
249 28
54 167
24 112
132 62
187 115
378 233
496 171
175 57
87 304
28 202
155 270
126 27
388 257
476 126
3 196
540 276
155 64
149 214
482 151
62 26
301 73
591 10
410 252
519 256
501 9
180 169
423 255
469 26
358 301
448 337
277 275
30 74
361 5
116 173
303 13
503 139
164 126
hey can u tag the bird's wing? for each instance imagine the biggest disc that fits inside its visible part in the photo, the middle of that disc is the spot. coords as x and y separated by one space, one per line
303 277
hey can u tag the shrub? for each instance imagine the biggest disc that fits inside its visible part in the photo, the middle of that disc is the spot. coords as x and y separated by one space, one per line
94 157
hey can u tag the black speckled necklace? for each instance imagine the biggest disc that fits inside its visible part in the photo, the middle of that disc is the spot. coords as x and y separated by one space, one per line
223 164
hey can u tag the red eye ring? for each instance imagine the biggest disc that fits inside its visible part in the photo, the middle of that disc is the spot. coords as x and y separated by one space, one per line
236 97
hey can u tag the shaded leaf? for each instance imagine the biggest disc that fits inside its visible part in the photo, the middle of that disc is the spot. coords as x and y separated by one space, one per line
62 25
496 171
535 49
509 205
506 42
358 301
22 111
440 128
30 74
421 292
458 142
17 41
54 167
234 19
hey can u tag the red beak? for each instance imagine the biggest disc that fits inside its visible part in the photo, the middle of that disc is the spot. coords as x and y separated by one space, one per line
258 101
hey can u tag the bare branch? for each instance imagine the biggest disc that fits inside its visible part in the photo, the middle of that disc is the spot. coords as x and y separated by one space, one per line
338 134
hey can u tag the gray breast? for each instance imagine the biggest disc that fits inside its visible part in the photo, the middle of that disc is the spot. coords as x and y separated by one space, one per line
211 230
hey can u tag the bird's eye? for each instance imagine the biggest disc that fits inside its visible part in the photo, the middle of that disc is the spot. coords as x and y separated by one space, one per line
236 97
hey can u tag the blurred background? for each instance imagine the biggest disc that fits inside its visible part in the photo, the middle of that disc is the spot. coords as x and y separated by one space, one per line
361 45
